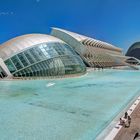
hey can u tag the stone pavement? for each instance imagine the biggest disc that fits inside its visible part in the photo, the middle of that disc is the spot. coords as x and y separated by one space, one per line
128 133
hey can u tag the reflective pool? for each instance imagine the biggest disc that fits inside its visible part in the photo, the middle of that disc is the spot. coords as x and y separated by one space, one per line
66 109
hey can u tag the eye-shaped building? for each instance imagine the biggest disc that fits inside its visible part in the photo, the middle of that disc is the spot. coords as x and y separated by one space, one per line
59 54
38 55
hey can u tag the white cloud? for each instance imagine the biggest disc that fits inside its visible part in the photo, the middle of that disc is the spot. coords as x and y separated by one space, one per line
6 13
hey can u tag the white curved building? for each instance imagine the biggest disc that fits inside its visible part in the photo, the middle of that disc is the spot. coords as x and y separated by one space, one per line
62 53
38 55
95 53
21 43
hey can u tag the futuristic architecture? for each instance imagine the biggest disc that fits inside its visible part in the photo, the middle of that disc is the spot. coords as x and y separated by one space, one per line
134 50
59 54
94 53
36 55
133 54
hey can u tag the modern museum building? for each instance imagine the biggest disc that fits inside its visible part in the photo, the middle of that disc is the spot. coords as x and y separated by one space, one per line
60 54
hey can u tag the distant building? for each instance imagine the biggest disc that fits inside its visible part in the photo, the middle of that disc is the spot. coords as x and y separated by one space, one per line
133 54
59 54
134 50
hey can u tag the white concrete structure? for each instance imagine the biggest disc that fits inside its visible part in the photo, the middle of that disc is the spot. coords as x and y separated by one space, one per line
20 43
4 71
94 52
61 53
38 55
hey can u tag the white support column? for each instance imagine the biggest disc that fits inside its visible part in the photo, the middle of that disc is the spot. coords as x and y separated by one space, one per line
4 67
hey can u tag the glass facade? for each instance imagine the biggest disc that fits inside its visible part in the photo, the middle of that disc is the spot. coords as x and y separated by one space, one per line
46 59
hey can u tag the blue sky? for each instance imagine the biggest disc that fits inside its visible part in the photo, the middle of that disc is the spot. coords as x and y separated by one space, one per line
113 21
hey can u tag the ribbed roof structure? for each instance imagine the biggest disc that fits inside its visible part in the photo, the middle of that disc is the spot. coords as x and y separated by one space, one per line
20 43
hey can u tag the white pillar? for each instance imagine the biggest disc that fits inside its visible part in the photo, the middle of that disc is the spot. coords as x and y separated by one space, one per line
4 67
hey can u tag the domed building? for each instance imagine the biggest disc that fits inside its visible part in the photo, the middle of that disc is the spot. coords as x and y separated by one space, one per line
38 55
59 54
134 50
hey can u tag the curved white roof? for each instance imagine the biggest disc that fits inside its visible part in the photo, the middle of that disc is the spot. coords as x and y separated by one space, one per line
74 35
83 39
91 42
20 43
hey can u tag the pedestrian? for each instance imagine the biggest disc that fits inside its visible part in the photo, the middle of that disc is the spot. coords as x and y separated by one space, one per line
125 115
129 120
122 122
136 136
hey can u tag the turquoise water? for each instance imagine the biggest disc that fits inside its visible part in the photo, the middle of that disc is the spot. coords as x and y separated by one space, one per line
66 109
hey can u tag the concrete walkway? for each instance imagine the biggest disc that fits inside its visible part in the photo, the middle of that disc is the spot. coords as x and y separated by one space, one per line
129 133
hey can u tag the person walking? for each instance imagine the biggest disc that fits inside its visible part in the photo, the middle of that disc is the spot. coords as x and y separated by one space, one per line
129 120
122 122
125 115
136 136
